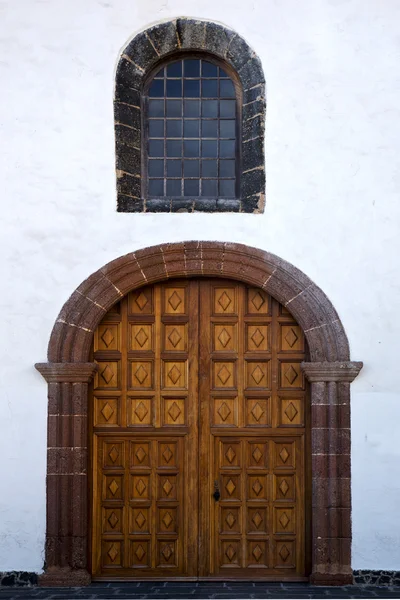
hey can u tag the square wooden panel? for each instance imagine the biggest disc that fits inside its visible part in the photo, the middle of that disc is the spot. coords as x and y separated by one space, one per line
167 520
173 411
168 455
140 554
141 374
258 412
141 301
139 521
107 337
141 337
224 337
175 338
230 487
224 412
257 338
285 554
106 411
140 411
291 413
140 454
113 488
113 455
284 488
175 374
175 300
291 338
224 375
291 375
258 302
108 375
112 520
257 553
225 300
230 553
284 520
257 519
167 487
112 554
167 553
230 519
139 488
257 374
284 455
257 455
257 487
229 454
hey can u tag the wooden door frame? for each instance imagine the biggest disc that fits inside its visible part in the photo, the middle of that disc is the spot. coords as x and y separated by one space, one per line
69 373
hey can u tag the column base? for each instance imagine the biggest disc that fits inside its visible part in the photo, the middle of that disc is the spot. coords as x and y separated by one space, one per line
331 579
64 577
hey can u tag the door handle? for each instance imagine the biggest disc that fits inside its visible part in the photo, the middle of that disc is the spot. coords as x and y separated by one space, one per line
216 494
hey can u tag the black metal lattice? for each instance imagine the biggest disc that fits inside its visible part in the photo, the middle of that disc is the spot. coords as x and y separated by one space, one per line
191 131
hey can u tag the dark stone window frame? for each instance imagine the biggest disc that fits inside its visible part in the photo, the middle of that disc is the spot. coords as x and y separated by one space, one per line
173 40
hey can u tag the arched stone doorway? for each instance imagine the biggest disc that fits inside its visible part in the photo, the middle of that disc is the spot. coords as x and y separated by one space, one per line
68 374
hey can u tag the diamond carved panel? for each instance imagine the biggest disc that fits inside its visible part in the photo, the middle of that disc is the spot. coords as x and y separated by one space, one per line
174 300
291 412
257 302
175 374
291 338
257 338
173 411
225 412
140 411
141 374
107 375
106 411
141 338
141 301
257 554
140 488
224 300
224 375
175 338
258 412
140 454
113 520
107 337
258 374
291 376
224 337
140 554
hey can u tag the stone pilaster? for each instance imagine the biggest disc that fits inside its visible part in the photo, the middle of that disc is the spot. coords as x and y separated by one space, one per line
330 456
67 473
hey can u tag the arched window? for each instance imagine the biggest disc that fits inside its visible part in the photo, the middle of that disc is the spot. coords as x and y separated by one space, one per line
189 121
191 129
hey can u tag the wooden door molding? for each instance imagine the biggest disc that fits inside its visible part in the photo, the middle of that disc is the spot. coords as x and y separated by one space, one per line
329 370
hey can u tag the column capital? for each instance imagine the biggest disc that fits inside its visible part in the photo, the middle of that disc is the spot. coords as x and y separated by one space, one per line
67 372
332 371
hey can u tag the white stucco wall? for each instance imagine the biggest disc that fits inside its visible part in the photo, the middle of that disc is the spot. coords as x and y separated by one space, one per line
332 209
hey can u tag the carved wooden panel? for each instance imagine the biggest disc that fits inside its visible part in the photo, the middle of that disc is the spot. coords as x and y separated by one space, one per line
199 388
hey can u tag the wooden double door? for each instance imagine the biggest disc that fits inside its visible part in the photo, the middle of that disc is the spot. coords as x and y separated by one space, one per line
199 436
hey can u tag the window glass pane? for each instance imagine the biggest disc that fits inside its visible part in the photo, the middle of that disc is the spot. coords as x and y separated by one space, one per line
227 168
226 89
174 168
191 88
156 128
191 128
209 149
209 88
222 73
159 73
156 147
227 148
191 187
227 188
156 187
174 69
191 108
174 187
156 168
227 129
209 187
208 69
174 128
227 108
174 148
191 168
209 129
191 67
174 108
157 88
209 168
156 108
191 148
210 108
174 88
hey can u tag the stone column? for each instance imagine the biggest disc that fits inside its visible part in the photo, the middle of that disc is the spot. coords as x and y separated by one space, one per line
331 491
66 562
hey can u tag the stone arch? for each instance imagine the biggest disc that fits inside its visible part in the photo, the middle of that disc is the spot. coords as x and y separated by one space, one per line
68 373
140 56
